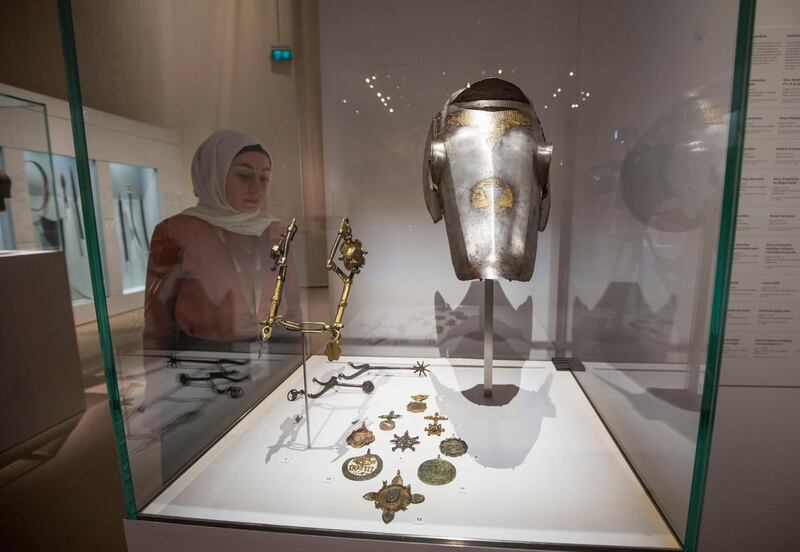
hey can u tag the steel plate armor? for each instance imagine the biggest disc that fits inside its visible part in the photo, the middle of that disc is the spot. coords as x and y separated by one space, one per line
486 170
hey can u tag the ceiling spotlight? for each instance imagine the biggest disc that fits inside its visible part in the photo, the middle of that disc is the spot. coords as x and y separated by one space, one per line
379 94
391 110
344 101
571 73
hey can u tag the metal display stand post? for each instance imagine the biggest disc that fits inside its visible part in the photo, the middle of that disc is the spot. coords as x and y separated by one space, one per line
488 335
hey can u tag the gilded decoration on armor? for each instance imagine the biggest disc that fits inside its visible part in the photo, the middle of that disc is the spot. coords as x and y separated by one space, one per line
435 428
453 447
493 123
491 192
436 471
361 468
404 441
393 498
388 420
360 437
417 404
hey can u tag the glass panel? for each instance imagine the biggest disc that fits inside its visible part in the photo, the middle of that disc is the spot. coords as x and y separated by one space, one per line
651 180
623 271
189 277
621 286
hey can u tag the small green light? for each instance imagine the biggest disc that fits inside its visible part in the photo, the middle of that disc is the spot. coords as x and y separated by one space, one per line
281 54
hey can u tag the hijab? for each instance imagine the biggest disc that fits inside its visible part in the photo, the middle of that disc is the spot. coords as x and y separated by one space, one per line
209 169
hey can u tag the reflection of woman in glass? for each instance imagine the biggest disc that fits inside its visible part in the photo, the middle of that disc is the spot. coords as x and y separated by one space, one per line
208 275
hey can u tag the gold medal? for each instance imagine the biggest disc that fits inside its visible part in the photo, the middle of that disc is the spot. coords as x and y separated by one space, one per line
417 405
404 441
435 428
436 471
360 437
388 420
453 447
393 498
361 468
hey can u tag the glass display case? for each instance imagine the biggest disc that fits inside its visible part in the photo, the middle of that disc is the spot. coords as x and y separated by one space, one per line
57 215
537 370
24 128
135 196
42 208
7 240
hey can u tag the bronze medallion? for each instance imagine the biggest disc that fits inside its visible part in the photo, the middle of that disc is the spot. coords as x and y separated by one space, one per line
361 468
453 447
393 498
436 471
388 420
435 428
417 405
404 441
360 437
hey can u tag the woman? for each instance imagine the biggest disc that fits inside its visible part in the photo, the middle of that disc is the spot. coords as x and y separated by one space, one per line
208 276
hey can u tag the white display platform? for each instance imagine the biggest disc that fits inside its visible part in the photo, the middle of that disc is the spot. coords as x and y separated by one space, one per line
541 468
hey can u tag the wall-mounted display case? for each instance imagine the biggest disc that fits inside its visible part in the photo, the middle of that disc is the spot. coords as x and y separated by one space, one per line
7 240
567 410
57 215
24 127
135 197
43 211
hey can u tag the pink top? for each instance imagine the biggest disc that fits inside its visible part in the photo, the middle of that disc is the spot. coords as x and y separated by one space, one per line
194 287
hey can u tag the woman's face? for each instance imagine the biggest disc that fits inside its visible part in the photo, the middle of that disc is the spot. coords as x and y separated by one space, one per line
247 181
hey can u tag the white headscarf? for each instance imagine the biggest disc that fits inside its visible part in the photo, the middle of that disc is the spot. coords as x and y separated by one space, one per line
209 169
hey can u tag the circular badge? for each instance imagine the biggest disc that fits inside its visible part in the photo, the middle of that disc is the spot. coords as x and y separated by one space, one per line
361 468
453 447
436 472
